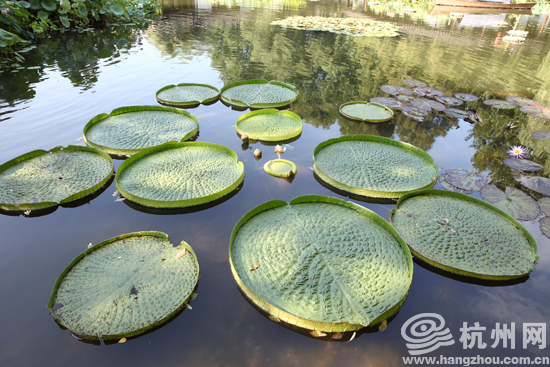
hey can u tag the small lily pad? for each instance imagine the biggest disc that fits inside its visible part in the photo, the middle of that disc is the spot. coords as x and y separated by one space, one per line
427 104
464 235
395 90
545 226
413 83
522 164
466 97
500 104
259 93
465 179
544 204
455 112
427 92
351 26
387 101
414 112
538 184
521 101
541 134
280 168
512 201
187 95
124 286
537 111
404 98
365 111
447 186
269 125
452 101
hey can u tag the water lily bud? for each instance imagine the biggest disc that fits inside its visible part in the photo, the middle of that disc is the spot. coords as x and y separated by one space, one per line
257 153
244 138
279 149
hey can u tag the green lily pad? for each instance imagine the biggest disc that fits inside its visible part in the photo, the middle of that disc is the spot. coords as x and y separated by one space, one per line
427 104
269 125
466 97
42 179
537 111
387 101
538 184
427 92
351 26
373 166
464 235
395 90
512 201
280 168
124 286
447 186
545 226
320 263
449 100
500 104
455 112
465 179
521 101
365 111
413 83
176 175
259 93
544 204
522 164
541 134
187 95
404 98
128 130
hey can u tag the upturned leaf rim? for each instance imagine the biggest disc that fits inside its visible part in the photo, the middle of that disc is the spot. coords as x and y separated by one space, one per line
205 101
237 103
290 173
366 120
269 111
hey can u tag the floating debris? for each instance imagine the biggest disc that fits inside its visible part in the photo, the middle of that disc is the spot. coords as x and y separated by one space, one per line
351 26
513 39
499 24
516 33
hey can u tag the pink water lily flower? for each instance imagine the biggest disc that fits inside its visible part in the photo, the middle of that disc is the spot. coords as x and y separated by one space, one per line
517 151
4 11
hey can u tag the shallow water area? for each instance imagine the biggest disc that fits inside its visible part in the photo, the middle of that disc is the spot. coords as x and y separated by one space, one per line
81 75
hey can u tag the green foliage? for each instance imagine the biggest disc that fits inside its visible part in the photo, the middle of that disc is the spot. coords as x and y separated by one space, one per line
21 22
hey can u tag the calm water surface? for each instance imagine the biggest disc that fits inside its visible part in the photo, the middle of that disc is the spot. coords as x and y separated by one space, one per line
80 75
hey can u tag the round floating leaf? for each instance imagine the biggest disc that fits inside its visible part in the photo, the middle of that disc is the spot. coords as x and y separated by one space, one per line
373 166
351 26
464 235
465 179
175 175
454 112
124 286
187 94
128 130
522 164
427 104
387 101
42 179
280 168
544 204
521 101
538 184
414 112
449 100
545 226
537 111
269 125
512 201
413 83
427 92
500 104
395 90
323 263
541 134
259 93
447 186
404 98
365 111
466 97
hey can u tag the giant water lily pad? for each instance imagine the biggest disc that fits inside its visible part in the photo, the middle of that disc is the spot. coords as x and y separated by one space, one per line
269 125
373 166
465 179
512 201
538 184
320 263
128 130
395 90
124 286
280 168
464 235
187 95
500 104
176 175
365 111
522 164
259 93
42 179
541 134
351 26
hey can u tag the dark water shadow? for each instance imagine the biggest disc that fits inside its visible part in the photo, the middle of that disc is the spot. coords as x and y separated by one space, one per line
241 109
185 210
346 336
469 280
269 143
365 199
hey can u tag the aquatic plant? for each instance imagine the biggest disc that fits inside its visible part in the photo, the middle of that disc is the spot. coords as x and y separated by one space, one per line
465 179
259 93
512 201
269 125
365 111
187 95
517 152
351 26
280 168
522 164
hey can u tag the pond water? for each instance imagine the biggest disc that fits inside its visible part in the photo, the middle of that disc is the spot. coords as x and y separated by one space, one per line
76 76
